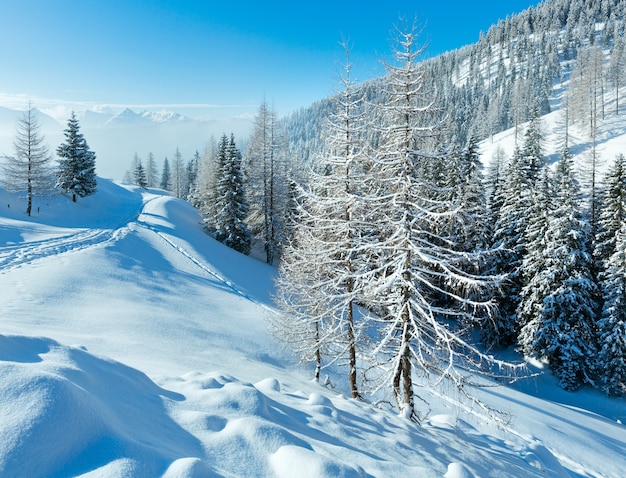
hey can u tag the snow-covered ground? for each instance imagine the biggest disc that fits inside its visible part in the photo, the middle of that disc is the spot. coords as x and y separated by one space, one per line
133 345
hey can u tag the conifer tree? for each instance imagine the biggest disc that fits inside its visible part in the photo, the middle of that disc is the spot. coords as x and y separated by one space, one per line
613 214
151 171
328 240
29 171
166 179
204 194
565 334
612 326
533 146
534 268
266 182
414 255
77 163
610 253
232 206
510 247
139 175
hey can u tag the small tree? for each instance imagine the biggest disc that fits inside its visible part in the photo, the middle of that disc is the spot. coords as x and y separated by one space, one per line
139 175
77 163
29 171
166 180
151 171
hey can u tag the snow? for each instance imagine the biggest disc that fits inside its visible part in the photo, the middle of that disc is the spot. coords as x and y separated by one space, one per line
133 345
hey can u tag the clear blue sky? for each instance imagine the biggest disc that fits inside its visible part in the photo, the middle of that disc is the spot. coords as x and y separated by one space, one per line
211 58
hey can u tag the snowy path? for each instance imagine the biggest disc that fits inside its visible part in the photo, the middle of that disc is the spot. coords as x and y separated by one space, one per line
12 256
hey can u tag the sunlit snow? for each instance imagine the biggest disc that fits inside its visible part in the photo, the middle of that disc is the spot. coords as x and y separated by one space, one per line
133 345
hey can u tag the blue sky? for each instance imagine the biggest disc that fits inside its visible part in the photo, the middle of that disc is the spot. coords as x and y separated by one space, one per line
211 59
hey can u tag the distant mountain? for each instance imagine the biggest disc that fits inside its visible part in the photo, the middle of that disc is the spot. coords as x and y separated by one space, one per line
164 116
94 119
126 117
116 136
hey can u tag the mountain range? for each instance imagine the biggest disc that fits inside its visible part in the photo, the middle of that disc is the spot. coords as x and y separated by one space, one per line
117 135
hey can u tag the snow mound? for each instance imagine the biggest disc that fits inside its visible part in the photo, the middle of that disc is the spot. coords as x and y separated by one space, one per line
65 412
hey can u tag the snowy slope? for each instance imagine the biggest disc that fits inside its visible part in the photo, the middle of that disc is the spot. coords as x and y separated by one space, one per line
133 345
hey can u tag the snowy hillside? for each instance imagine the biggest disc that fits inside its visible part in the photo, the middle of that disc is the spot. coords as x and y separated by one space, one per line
133 345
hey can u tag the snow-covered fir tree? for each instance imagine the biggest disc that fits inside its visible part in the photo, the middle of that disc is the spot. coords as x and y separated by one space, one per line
610 252
166 176
232 206
533 146
139 175
534 268
613 213
565 333
77 163
510 247
612 326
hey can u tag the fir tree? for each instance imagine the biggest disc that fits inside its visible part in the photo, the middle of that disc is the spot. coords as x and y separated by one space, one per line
610 252
612 326
613 214
139 175
510 247
77 163
533 147
232 206
564 334
166 180
534 272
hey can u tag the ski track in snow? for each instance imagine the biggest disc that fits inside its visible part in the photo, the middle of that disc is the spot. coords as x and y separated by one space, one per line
17 255
204 268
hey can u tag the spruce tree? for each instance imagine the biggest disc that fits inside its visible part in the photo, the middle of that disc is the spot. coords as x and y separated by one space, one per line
77 163
509 247
610 253
166 179
613 214
565 331
232 206
534 267
139 175
612 326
